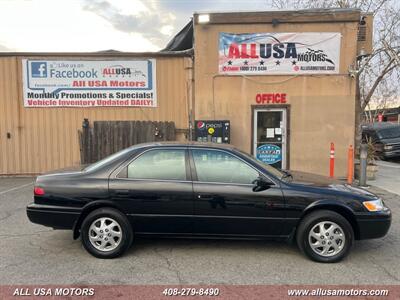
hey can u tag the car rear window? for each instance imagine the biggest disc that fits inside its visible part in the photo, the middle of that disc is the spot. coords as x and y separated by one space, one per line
106 160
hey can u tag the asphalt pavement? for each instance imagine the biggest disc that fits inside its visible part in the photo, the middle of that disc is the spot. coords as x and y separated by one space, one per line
33 254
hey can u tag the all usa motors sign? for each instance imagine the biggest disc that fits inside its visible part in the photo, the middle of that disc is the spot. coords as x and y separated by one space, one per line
279 53
89 83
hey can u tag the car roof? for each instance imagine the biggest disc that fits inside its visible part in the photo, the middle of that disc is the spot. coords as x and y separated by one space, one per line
380 125
184 144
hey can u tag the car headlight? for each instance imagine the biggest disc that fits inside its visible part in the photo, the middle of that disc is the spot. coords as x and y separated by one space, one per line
375 205
388 147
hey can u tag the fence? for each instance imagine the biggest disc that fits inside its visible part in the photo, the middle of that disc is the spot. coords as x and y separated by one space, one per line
107 137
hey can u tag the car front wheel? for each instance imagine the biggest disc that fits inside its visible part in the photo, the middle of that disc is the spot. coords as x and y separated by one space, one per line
106 233
325 236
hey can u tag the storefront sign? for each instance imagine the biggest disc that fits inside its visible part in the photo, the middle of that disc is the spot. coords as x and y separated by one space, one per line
279 53
216 131
272 98
91 83
269 154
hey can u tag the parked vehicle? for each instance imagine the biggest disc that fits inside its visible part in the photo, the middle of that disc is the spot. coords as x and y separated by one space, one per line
204 190
385 137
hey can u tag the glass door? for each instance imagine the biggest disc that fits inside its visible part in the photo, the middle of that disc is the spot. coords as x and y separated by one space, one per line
270 136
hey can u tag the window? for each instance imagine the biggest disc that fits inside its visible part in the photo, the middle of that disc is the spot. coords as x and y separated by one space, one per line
106 160
220 166
162 164
389 133
269 168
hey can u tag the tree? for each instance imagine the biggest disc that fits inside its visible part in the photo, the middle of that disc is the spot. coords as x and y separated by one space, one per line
378 74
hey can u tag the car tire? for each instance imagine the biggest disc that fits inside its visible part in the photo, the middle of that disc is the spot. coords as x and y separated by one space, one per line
325 236
106 233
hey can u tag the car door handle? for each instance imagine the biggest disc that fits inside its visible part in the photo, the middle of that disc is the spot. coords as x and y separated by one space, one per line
122 192
205 197
269 204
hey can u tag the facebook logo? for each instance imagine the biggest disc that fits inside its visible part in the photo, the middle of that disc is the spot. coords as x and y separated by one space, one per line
39 69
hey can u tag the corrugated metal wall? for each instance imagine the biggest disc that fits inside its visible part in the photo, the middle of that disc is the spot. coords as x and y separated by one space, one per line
36 140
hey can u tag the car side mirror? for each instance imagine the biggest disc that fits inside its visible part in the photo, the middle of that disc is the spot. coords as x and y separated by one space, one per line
261 184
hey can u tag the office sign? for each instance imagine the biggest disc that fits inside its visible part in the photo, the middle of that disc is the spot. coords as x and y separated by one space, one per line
89 83
271 98
279 53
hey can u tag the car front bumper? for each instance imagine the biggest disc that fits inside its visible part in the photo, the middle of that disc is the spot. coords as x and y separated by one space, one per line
374 225
53 216
391 153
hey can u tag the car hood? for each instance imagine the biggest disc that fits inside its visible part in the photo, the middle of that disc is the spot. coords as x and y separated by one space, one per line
318 181
395 140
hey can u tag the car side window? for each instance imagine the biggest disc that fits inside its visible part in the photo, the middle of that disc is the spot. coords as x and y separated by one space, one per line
161 164
222 167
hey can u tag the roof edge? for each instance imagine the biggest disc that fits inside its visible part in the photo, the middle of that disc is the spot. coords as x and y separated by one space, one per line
283 16
184 53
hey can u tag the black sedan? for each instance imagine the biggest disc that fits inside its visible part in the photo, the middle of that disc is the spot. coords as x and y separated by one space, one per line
204 190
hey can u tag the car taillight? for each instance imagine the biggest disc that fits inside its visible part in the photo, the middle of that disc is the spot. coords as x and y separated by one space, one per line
38 191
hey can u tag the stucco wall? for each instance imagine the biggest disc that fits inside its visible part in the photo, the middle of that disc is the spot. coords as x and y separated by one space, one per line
322 107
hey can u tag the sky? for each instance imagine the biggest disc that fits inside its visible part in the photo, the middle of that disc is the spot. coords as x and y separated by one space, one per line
96 25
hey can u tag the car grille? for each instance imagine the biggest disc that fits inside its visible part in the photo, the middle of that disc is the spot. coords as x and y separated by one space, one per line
395 146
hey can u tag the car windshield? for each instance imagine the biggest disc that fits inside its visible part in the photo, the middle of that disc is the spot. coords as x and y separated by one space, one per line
275 172
106 160
389 133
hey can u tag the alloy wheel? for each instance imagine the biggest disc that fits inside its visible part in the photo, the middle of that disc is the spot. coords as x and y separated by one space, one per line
105 234
326 238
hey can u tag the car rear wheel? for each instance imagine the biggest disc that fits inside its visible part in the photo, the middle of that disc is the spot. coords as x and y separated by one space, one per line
325 236
106 233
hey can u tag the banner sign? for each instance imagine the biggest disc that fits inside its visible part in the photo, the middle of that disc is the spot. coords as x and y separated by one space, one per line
279 53
89 83
269 153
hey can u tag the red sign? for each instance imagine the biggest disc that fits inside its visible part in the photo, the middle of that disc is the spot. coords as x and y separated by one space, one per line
272 98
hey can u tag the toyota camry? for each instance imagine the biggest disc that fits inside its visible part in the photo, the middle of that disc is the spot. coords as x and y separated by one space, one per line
204 190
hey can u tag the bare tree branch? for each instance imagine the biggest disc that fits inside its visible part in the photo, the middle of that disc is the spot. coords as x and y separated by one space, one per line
389 67
375 71
378 75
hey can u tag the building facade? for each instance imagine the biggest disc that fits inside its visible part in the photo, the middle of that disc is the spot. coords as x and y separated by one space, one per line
38 139
311 110
284 80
